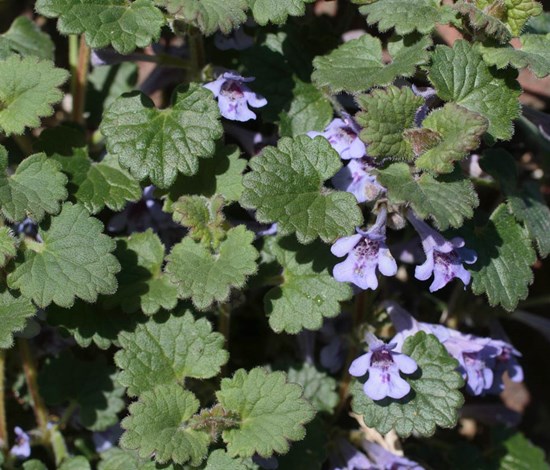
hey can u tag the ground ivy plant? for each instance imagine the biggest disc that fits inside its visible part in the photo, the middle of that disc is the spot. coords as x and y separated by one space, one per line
260 234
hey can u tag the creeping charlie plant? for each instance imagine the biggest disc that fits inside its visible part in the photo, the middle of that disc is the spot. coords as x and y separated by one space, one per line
274 234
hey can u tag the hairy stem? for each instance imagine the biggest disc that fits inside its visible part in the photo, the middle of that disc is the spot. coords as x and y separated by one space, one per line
79 58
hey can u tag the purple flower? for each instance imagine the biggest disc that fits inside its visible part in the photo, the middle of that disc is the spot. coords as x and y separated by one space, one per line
482 361
386 460
347 457
22 447
428 94
356 179
383 365
234 96
366 251
343 135
444 258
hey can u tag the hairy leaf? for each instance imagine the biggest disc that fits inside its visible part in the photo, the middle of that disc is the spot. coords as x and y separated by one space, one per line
448 199
286 186
515 13
28 91
272 412
73 260
118 459
308 292
479 20
319 387
119 23
206 277
505 254
8 245
265 11
157 425
515 452
14 313
26 39
157 143
357 65
434 399
170 349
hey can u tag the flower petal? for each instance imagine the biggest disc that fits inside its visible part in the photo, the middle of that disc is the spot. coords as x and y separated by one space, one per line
344 245
359 366
405 364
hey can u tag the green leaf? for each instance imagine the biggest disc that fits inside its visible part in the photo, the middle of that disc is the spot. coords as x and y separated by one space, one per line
34 465
308 292
387 113
14 313
8 246
75 463
206 277
319 387
90 323
141 282
480 20
357 64
535 54
220 460
515 13
272 412
157 143
407 15
90 384
515 452
221 175
37 187
119 23
529 207
203 217
26 39
539 24
209 15
460 75
157 425
310 110
28 90
265 11
74 260
286 186
118 459
460 132
448 199
434 399
505 254
310 452
171 348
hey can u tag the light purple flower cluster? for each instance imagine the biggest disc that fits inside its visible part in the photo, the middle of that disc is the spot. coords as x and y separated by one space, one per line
429 95
343 135
482 361
444 258
366 251
356 178
22 447
234 96
383 364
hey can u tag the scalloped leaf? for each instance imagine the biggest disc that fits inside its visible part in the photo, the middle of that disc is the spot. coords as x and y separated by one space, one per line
35 189
141 282
505 255
308 292
26 39
8 245
319 387
14 313
448 199
434 399
157 144
157 426
460 132
386 114
357 65
460 75
91 385
171 348
28 91
479 20
119 23
272 412
209 15
74 260
515 13
286 186
118 459
535 54
207 277
268 11
407 15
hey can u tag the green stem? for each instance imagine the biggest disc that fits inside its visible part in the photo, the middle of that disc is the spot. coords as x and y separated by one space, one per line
69 411
3 426
79 58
